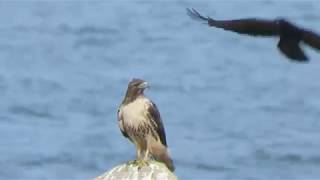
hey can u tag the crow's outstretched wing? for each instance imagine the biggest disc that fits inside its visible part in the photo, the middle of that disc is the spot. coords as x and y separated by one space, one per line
250 26
311 38
292 50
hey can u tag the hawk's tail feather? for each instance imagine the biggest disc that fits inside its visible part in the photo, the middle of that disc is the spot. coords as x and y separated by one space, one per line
160 153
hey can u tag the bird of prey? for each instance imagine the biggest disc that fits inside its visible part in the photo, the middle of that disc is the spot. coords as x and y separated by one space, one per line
290 34
139 121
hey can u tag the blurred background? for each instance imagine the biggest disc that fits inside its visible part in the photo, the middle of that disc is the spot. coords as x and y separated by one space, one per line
233 106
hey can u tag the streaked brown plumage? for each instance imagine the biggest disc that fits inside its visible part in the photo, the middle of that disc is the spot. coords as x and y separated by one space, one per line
290 34
140 122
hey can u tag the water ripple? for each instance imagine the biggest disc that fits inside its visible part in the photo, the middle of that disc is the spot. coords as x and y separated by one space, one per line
287 157
41 111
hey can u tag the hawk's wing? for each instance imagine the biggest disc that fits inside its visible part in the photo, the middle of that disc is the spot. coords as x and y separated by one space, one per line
154 116
120 121
250 26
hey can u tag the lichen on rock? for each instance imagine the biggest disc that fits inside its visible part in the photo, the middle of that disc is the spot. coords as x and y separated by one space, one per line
134 170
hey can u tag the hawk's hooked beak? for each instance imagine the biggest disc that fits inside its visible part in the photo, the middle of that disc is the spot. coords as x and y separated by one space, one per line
144 85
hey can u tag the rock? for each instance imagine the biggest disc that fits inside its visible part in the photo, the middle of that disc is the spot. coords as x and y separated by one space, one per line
152 170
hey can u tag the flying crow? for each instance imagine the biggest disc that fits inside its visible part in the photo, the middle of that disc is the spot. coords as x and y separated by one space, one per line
290 34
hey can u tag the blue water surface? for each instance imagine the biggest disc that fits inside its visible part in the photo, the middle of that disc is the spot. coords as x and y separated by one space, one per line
233 106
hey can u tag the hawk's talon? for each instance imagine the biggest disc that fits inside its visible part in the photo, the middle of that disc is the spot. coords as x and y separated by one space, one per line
134 162
140 163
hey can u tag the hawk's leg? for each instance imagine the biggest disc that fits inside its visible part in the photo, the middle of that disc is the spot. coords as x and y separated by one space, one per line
144 161
139 150
143 156
136 162
138 154
146 155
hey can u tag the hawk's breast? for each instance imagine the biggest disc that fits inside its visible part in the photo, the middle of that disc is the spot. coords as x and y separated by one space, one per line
134 113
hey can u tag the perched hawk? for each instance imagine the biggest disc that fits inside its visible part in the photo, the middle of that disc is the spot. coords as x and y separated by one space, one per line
290 34
140 122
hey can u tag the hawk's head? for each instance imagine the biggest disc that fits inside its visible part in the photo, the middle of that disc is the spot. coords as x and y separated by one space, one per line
137 85
136 88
